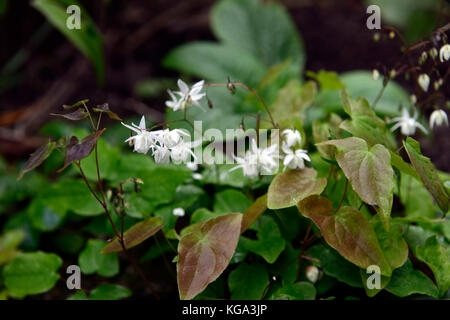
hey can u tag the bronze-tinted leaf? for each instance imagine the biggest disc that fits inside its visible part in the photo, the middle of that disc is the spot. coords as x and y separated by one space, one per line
289 187
348 231
135 235
105 108
253 212
79 114
76 104
205 252
37 157
369 171
77 151
427 173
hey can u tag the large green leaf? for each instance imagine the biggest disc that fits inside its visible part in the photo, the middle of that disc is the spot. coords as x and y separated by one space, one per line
348 231
270 243
263 30
31 273
427 173
437 257
205 251
247 282
92 261
369 171
406 281
230 200
291 186
87 39
135 235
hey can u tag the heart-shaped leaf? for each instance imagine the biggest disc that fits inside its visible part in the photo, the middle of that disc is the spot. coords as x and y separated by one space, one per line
77 151
369 171
427 173
291 186
348 231
135 235
205 251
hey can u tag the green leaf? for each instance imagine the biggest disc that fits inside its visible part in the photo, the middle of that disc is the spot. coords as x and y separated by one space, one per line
31 273
369 172
205 252
253 212
296 291
384 281
203 214
438 259
348 231
406 281
427 173
416 199
290 187
270 243
291 100
334 265
92 261
37 158
70 195
110 292
248 282
327 80
9 241
78 295
135 235
401 165
87 39
230 200
263 30
42 217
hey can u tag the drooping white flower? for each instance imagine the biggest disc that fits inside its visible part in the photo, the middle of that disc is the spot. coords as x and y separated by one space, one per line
291 137
181 152
188 96
197 176
192 165
295 159
407 123
178 212
161 154
444 53
438 118
170 138
143 140
424 81
258 160
312 273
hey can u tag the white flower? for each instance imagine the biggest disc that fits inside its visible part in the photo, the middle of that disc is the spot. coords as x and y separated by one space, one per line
424 81
375 74
295 159
143 140
187 96
161 154
312 273
292 137
438 118
182 151
178 212
175 103
258 160
407 123
197 176
170 138
192 165
444 53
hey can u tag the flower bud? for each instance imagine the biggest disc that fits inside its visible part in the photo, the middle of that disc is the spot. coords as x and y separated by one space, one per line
375 74
424 81
444 53
312 273
438 118
178 212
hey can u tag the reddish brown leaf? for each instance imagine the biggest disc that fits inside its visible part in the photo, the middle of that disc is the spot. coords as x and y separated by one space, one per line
135 235
76 104
76 151
205 252
79 114
105 108
37 158
253 212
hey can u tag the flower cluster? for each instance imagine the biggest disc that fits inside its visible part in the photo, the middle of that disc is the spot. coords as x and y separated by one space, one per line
164 144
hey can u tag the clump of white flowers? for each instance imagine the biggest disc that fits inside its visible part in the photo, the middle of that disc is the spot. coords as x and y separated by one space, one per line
186 96
165 144
424 81
444 53
258 161
438 118
407 123
294 156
